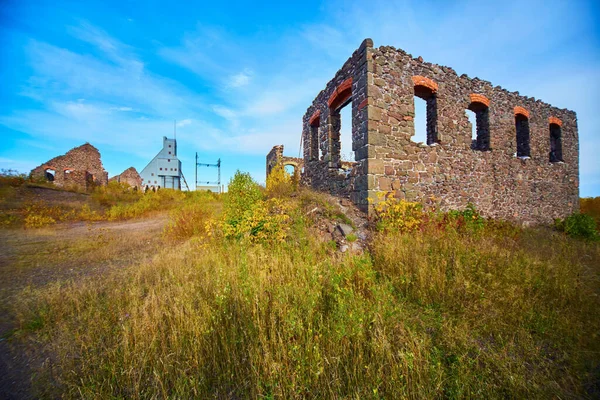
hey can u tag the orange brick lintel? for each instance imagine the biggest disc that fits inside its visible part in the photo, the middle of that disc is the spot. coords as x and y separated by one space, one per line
479 98
554 120
522 111
340 90
419 80
316 115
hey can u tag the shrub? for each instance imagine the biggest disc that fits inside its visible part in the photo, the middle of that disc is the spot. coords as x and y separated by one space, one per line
192 217
591 207
579 226
468 219
38 221
87 214
11 177
115 192
280 183
163 199
242 195
396 215
37 212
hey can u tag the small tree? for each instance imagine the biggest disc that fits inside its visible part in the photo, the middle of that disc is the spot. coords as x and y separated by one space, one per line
242 195
280 183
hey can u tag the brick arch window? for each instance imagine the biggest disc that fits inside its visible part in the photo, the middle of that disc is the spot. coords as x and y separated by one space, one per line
339 99
50 173
314 122
480 105
522 131
426 89
555 140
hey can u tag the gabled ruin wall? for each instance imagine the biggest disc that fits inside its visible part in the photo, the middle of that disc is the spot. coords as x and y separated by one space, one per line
80 166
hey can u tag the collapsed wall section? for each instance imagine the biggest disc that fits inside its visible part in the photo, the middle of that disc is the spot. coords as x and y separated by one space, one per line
130 176
276 157
514 169
80 166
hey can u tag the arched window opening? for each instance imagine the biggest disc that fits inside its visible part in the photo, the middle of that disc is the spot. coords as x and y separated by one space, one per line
473 121
346 152
340 99
522 128
290 169
50 174
480 136
425 89
420 121
555 143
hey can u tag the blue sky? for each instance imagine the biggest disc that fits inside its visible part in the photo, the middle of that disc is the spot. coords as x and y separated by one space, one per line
238 76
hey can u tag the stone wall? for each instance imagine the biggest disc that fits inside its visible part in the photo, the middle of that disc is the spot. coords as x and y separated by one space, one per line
130 176
323 165
533 182
80 166
276 157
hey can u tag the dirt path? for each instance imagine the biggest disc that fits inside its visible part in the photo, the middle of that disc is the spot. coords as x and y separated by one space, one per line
34 258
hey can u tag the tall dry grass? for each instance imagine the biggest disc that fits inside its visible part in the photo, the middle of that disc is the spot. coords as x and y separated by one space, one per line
437 313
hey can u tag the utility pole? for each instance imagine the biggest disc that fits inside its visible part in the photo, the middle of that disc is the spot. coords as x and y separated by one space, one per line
217 165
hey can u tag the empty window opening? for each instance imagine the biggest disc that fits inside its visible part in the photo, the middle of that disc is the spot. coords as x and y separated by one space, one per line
315 149
430 115
346 152
420 121
341 131
473 121
290 169
555 143
340 99
479 116
50 174
522 127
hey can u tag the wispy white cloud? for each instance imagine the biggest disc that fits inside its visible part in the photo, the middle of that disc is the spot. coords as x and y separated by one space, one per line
240 79
184 122
245 96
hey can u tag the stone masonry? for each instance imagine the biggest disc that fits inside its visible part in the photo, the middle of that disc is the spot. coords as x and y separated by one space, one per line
130 176
522 165
276 157
80 166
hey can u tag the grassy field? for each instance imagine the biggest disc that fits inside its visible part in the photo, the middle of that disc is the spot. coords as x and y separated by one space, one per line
243 296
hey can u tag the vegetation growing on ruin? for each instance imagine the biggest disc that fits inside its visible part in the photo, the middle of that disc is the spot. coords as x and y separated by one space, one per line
456 306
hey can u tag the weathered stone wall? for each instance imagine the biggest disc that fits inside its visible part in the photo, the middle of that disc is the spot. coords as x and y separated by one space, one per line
324 168
80 166
276 157
130 176
450 169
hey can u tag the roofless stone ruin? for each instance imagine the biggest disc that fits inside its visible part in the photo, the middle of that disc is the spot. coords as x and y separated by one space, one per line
80 166
520 162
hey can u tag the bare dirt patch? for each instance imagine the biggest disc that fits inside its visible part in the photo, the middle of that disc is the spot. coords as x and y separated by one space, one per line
34 258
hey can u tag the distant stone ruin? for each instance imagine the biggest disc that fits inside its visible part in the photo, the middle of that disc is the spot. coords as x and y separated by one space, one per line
80 166
276 157
130 176
520 162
